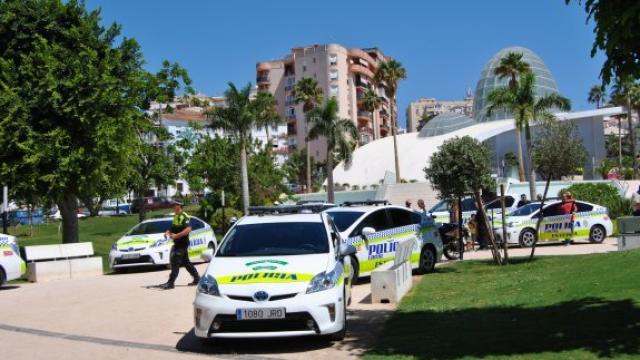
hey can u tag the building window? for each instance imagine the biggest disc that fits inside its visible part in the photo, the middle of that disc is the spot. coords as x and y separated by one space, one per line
333 75
304 68
333 59
333 90
314 60
179 187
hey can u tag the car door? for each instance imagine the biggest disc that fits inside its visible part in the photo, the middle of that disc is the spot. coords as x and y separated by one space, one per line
197 240
555 226
372 254
584 221
406 226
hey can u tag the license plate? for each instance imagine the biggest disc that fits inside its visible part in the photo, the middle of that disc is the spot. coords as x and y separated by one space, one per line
131 256
260 314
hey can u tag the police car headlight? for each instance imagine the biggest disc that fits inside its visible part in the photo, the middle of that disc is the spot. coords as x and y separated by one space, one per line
325 280
208 285
159 243
114 247
510 224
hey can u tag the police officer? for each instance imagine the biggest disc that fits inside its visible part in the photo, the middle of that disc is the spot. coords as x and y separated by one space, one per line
179 233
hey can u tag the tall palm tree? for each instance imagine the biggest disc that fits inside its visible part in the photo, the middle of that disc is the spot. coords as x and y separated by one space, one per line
237 119
266 113
512 66
307 92
340 135
387 75
526 110
596 95
622 94
371 101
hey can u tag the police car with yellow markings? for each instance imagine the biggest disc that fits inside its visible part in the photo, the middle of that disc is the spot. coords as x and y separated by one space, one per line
146 245
376 229
281 271
11 265
591 223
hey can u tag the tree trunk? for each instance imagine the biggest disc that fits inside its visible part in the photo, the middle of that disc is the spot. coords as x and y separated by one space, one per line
530 170
68 206
619 145
544 197
308 150
632 136
520 157
495 252
331 197
394 131
244 176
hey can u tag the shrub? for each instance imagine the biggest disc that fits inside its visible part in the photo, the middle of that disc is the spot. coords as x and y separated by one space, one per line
601 194
216 219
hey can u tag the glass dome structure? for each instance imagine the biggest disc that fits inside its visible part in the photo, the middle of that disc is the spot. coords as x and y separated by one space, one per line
445 123
545 83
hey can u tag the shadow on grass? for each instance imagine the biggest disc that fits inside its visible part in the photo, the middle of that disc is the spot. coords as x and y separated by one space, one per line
605 328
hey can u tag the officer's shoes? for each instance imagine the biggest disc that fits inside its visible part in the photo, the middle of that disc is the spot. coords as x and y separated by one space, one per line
166 286
194 282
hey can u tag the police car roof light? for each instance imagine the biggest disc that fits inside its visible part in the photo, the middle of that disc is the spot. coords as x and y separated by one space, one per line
366 202
287 209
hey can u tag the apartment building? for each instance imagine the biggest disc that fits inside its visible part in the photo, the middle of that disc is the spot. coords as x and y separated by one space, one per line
432 107
342 73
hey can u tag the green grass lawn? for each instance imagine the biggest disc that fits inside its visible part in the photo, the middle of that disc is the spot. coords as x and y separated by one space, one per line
570 307
101 231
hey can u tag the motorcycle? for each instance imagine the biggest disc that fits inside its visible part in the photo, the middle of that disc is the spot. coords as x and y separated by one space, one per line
451 245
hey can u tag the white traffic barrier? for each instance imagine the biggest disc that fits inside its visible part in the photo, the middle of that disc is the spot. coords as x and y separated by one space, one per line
391 281
64 261
628 241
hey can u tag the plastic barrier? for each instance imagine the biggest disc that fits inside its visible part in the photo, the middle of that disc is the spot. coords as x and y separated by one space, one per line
391 281
64 261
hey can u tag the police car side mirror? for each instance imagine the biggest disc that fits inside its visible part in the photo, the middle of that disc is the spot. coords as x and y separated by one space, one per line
366 231
347 250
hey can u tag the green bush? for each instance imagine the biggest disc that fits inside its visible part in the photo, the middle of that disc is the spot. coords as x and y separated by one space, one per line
601 194
216 219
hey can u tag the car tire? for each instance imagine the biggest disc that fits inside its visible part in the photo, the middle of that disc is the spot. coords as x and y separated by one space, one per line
527 238
355 266
340 335
597 234
3 277
206 341
427 260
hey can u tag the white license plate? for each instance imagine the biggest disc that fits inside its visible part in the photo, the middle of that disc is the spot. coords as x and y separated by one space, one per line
260 314
131 256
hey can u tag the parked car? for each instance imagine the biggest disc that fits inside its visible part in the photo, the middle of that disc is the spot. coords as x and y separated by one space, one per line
151 203
11 265
493 208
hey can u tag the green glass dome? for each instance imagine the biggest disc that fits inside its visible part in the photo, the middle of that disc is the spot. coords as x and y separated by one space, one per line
545 83
445 123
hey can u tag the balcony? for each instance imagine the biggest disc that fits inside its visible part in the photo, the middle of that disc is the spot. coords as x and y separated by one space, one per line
363 114
359 69
262 79
265 66
359 54
292 130
366 131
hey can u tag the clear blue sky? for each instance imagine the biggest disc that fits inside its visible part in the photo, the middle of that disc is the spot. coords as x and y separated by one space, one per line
442 44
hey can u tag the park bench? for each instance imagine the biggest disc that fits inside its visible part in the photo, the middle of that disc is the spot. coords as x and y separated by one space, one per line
62 261
391 281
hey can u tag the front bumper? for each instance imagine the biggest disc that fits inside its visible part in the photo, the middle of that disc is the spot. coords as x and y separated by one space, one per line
318 313
146 257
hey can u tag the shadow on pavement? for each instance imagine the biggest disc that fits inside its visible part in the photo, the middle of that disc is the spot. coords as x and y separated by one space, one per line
9 287
605 328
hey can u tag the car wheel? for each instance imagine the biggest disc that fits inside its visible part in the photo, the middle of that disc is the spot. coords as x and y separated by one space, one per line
3 277
427 260
355 267
597 234
527 238
340 335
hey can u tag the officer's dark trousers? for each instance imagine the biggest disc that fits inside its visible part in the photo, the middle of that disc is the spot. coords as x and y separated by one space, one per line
180 257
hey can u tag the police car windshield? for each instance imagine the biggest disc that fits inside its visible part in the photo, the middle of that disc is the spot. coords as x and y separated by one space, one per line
273 239
526 210
153 227
344 219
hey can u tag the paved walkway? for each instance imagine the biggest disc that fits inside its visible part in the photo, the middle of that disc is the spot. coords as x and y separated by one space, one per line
577 248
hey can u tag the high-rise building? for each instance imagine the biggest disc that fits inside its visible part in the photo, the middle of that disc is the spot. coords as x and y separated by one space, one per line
342 73
431 107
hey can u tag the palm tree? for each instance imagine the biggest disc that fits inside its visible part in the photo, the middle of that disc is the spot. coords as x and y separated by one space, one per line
267 113
387 75
512 66
371 101
307 92
237 119
340 135
526 110
596 95
622 94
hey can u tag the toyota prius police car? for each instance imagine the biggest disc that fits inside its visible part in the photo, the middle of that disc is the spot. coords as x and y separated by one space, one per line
145 244
11 265
281 271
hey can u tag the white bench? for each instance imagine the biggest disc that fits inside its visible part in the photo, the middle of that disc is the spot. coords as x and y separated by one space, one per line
628 241
63 261
391 281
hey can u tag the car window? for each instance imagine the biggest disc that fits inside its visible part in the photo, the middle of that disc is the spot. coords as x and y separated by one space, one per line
551 210
441 206
497 203
377 220
400 217
275 239
344 219
196 224
526 210
152 227
468 204
582 207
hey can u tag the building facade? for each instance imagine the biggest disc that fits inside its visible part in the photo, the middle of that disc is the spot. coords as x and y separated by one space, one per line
341 73
432 107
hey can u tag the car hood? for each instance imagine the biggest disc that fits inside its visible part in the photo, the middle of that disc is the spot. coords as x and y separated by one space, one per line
280 274
138 241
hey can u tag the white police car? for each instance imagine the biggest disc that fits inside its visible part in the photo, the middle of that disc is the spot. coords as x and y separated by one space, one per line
11 265
591 223
275 275
375 229
145 244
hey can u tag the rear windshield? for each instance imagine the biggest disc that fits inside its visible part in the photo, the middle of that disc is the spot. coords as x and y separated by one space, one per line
526 210
153 227
272 239
344 219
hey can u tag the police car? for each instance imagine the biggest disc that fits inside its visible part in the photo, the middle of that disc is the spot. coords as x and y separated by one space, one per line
375 229
145 244
591 223
277 273
441 210
11 265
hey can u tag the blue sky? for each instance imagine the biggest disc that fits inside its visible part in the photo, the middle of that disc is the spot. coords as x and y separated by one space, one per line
442 44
